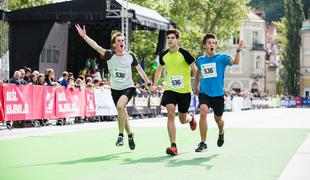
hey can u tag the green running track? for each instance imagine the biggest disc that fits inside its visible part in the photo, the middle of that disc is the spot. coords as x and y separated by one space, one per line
251 154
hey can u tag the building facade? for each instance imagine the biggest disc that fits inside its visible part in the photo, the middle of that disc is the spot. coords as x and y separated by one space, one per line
249 75
273 61
305 59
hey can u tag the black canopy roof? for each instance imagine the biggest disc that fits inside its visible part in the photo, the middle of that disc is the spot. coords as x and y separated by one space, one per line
30 27
89 11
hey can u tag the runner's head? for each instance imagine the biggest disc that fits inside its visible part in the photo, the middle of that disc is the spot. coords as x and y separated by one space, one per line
209 42
172 37
118 41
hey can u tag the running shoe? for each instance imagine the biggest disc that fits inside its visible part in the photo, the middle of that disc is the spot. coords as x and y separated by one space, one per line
220 140
201 147
172 151
131 142
193 123
120 141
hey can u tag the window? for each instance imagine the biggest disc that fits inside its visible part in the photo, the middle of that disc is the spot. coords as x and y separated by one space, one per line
235 86
258 63
255 37
236 38
254 88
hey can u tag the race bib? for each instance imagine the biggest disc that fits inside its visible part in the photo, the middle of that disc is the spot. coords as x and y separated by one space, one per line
208 70
176 82
120 74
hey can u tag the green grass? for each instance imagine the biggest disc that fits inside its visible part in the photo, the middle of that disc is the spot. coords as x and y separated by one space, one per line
252 154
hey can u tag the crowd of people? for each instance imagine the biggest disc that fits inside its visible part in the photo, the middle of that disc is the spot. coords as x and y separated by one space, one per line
27 76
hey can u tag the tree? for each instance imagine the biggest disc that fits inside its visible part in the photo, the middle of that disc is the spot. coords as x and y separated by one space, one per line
274 10
291 60
196 17
193 18
19 4
144 43
282 34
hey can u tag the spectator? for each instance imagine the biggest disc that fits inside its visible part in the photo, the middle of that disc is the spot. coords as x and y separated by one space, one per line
17 78
71 82
71 75
84 72
49 77
40 80
105 83
33 78
22 71
96 83
28 73
88 80
90 86
79 83
65 78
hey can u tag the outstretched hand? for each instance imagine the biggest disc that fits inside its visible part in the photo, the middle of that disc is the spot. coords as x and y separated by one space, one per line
82 32
153 88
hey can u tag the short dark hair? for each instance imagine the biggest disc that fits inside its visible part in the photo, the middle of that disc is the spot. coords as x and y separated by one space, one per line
173 31
96 80
27 69
115 35
208 36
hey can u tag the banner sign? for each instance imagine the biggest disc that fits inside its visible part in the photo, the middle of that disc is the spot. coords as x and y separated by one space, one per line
90 106
25 102
104 103
17 104
69 102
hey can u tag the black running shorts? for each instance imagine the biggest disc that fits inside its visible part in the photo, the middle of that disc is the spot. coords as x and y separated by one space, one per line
129 92
216 103
183 100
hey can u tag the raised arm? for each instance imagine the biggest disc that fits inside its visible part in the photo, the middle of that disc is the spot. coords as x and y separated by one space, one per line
236 60
89 41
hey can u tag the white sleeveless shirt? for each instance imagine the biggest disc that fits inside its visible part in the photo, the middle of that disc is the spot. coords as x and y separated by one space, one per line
120 69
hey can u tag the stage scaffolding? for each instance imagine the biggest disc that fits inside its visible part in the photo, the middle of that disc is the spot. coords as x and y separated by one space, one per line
4 39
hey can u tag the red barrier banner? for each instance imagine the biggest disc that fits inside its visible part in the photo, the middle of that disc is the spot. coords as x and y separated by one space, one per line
90 109
17 102
25 102
49 106
69 102
38 102
1 104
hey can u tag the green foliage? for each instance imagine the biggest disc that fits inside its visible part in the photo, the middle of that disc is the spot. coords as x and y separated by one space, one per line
306 4
193 18
279 87
291 58
4 29
282 34
274 10
18 4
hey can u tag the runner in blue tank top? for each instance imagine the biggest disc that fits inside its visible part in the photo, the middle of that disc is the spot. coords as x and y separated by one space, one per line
209 86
